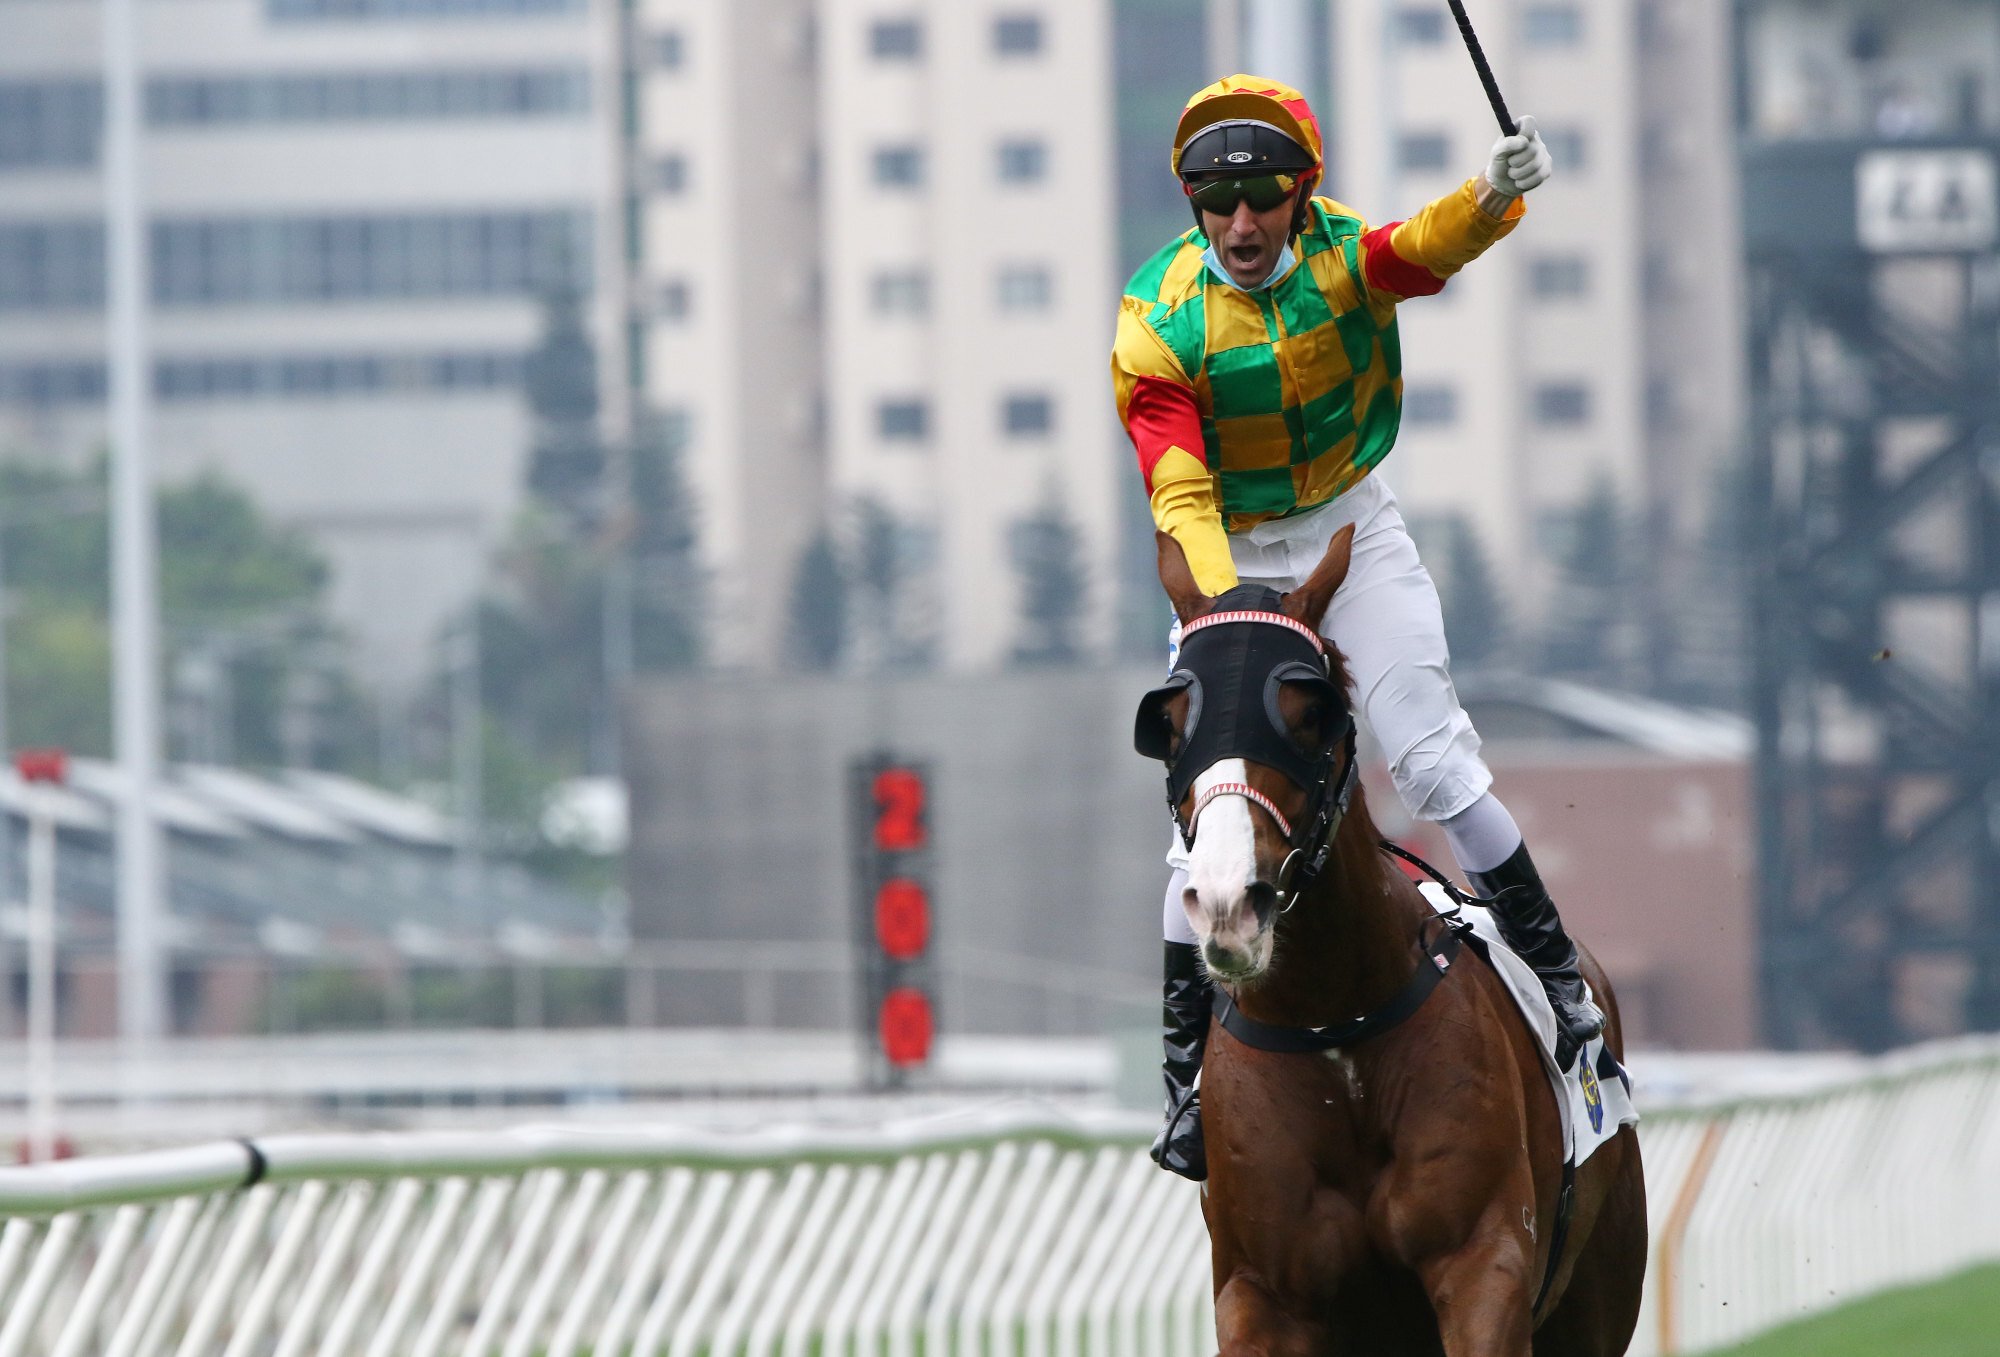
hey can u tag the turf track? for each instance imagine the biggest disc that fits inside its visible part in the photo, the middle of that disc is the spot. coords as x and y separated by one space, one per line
1957 1317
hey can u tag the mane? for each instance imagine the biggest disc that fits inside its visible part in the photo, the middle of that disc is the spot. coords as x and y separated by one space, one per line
1358 833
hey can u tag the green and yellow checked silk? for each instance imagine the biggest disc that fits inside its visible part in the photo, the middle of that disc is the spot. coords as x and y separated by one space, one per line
1300 385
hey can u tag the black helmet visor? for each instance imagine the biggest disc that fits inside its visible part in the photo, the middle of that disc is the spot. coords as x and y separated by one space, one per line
1242 148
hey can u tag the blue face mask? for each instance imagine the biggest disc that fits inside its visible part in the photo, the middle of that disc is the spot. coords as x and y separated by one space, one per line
1278 270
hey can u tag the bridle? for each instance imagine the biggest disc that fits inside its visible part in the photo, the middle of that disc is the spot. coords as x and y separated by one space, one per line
1327 776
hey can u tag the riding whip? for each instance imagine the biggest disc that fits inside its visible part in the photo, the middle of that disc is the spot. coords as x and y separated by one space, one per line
1493 97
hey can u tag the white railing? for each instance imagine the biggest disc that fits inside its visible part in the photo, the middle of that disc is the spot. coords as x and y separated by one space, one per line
1019 1232
1764 1210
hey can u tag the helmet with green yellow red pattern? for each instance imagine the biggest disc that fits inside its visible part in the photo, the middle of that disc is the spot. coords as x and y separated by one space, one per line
1248 137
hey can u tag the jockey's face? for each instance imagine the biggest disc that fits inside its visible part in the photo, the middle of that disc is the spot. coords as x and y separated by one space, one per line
1248 241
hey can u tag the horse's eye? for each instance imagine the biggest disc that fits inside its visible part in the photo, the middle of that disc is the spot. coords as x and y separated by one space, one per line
1311 717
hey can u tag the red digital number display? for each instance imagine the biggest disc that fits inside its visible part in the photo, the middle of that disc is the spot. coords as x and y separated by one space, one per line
906 1025
899 804
902 919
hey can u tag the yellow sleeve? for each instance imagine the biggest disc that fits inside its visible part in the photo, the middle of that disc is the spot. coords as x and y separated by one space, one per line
1157 405
1453 231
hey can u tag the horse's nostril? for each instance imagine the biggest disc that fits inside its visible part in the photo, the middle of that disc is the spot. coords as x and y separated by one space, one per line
1262 897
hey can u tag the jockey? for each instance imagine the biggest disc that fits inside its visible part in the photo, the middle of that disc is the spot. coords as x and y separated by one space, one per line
1258 373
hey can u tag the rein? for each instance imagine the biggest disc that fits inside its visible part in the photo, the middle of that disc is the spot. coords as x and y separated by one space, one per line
1319 1040
1323 1040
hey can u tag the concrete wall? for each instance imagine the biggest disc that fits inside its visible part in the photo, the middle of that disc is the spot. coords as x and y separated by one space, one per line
1049 834
1049 830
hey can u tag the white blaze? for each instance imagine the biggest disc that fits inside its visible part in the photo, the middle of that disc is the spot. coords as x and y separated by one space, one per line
1223 861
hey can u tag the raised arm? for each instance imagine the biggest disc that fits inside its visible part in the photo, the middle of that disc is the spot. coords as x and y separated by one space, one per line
1156 404
1414 258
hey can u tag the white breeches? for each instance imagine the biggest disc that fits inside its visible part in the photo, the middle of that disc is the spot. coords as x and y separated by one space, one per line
1387 622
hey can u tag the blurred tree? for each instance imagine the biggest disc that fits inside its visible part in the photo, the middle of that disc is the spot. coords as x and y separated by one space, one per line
1475 614
1048 559
817 630
1592 613
891 570
244 593
566 466
665 549
543 684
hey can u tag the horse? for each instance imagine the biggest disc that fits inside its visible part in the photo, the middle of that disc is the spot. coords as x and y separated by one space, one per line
1404 1193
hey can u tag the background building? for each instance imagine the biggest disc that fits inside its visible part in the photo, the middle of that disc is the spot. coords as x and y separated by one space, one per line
877 255
1584 375
356 208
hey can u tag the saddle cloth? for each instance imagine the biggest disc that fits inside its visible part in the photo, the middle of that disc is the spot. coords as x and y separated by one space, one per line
1596 1095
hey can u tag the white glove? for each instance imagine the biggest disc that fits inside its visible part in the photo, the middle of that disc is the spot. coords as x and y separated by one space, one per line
1520 162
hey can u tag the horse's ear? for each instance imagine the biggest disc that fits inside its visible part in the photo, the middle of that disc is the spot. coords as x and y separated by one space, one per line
1307 603
1188 599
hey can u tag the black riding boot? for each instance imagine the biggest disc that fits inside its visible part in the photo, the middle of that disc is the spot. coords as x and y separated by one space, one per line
1185 1006
1529 922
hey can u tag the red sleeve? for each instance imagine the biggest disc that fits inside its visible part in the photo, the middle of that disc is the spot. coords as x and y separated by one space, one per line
1387 271
1162 415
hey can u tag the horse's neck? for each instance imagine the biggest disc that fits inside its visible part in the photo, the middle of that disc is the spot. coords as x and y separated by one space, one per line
1345 947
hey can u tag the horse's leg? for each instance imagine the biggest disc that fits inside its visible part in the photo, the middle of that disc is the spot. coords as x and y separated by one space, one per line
1483 1295
1249 1323
1600 1305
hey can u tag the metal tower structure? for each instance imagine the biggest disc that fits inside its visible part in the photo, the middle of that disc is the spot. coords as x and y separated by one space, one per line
1874 499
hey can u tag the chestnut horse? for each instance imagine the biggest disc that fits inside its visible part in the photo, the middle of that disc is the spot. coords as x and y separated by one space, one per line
1398 1195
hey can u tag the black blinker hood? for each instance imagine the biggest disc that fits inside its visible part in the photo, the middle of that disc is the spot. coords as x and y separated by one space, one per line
1234 672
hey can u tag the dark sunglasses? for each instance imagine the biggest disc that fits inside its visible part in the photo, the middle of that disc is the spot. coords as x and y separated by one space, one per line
1263 193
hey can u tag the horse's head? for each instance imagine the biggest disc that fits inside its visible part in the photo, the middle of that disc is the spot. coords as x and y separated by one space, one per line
1258 738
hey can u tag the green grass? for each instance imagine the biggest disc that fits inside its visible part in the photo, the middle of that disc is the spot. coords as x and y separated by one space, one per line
1957 1317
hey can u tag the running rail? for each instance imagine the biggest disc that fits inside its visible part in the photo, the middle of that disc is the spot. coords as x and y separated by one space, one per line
1019 1231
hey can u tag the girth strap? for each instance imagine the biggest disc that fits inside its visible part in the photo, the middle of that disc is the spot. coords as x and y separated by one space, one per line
1307 1040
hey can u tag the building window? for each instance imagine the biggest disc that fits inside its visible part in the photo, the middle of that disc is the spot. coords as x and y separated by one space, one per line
310 375
1663 402
675 300
674 427
1559 275
1023 162
1659 149
1423 151
225 261
899 166
197 101
40 385
1430 404
895 40
670 174
340 10
1027 416
1552 26
1562 404
1660 277
907 421
669 50
52 265
900 292
1568 147
1026 287
49 124
1017 35
1419 27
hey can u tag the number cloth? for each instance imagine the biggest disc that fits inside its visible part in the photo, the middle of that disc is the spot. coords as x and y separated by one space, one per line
1249 406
